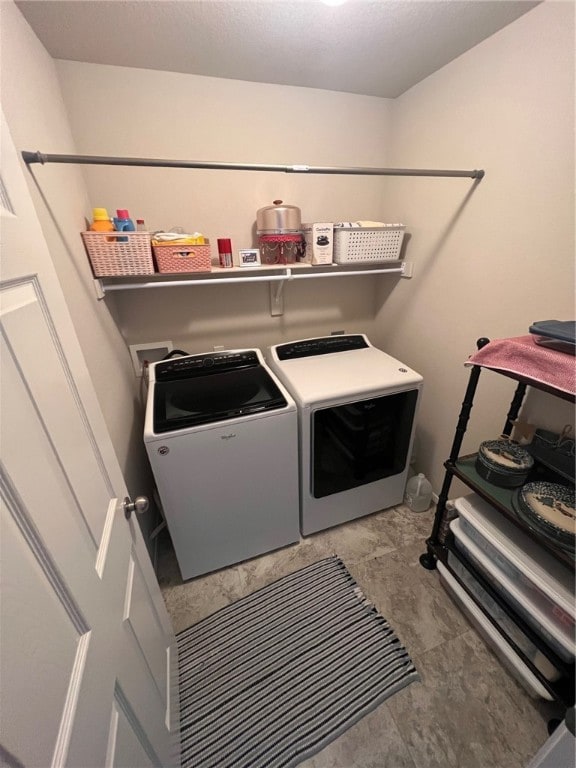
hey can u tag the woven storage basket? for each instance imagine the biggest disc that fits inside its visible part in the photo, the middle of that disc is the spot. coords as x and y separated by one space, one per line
358 245
183 258
112 254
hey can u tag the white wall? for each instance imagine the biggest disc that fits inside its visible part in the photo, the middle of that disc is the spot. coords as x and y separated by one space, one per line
134 112
489 259
33 105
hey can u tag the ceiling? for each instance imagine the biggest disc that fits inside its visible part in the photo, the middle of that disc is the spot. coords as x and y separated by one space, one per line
377 48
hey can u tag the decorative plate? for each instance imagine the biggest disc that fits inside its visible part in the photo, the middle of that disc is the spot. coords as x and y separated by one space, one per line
549 509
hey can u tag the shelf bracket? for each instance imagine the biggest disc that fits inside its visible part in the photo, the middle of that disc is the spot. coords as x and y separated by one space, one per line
407 268
276 299
277 295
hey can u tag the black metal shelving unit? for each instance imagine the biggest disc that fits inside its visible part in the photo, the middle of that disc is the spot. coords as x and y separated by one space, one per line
440 544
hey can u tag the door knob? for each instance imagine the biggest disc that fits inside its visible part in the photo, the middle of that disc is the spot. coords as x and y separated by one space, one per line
139 505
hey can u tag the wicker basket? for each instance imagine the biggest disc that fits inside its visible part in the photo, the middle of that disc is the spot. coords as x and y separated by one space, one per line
183 258
112 254
364 245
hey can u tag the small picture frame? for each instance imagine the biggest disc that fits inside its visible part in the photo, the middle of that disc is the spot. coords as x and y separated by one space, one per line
249 257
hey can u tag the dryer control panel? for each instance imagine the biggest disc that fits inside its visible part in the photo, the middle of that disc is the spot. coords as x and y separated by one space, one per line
324 345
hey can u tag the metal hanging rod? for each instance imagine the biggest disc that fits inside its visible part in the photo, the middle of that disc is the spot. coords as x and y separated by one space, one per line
39 157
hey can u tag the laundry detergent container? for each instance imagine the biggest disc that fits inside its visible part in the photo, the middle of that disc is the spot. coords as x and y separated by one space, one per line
538 586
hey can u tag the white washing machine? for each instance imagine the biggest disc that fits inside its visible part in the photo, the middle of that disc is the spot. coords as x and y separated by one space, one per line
221 434
356 412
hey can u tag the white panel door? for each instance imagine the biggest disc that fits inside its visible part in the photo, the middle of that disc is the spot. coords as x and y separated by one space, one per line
87 653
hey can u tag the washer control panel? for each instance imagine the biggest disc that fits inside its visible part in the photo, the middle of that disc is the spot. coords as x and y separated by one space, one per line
201 365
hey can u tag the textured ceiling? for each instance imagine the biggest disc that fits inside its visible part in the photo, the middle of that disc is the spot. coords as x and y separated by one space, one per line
374 48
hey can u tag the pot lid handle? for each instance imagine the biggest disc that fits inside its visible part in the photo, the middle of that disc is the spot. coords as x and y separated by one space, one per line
277 202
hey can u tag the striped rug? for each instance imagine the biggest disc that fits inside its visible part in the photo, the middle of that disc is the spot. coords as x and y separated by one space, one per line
273 678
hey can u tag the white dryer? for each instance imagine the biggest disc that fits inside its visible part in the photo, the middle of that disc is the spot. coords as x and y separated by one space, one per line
356 412
221 434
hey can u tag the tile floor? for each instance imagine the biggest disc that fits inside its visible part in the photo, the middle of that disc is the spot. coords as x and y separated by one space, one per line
467 712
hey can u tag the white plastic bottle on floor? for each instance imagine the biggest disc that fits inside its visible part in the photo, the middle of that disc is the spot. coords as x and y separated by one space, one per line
418 494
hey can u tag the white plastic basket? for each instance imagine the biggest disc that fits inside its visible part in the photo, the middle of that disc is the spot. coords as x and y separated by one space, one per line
363 244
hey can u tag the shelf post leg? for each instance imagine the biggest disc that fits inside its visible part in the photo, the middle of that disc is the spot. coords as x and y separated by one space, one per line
438 535
514 408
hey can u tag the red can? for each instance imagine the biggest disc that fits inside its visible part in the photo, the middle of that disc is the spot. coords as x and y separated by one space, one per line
225 252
